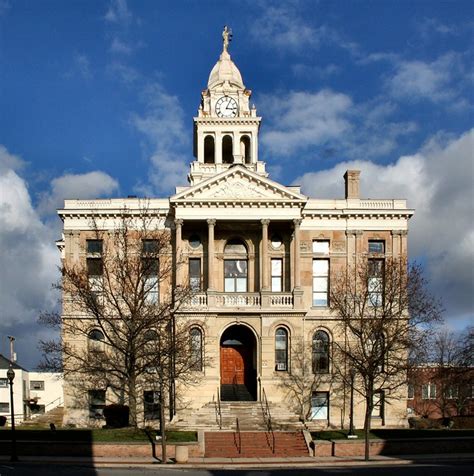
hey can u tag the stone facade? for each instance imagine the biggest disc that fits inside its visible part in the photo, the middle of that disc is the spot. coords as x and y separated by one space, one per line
257 254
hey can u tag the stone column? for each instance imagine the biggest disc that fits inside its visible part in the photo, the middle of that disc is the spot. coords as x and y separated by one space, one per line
218 148
297 268
211 223
264 258
179 261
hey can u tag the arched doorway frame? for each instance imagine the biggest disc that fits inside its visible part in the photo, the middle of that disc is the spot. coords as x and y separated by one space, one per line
258 353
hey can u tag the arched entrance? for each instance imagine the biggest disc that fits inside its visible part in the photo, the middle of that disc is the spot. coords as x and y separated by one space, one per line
238 364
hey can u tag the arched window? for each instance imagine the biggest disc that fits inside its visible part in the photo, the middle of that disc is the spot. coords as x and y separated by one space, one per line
209 150
227 152
281 349
245 149
235 267
195 336
96 341
150 335
376 351
320 353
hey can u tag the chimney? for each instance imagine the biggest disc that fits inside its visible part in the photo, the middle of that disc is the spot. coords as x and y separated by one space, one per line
351 178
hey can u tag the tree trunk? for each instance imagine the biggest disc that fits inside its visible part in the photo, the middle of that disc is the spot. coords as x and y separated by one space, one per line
368 413
163 424
132 401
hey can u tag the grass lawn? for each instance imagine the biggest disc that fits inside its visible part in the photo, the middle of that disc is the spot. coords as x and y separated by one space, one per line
387 434
94 435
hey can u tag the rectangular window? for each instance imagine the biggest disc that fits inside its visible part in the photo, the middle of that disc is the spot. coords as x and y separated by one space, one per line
36 385
149 247
411 391
94 247
375 282
321 247
195 274
319 406
378 401
277 275
94 267
235 276
151 405
320 282
151 279
3 382
428 391
376 246
4 407
452 392
96 403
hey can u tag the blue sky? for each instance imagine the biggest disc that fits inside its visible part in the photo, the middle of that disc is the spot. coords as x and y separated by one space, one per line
97 100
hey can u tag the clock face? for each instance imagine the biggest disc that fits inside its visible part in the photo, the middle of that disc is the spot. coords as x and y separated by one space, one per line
226 107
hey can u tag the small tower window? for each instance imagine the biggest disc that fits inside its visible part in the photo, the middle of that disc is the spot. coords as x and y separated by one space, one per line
227 153
209 150
245 149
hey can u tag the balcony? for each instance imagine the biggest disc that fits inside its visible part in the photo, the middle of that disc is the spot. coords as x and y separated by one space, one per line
219 301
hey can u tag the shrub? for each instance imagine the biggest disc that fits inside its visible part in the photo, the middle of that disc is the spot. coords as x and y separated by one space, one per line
116 416
3 420
424 423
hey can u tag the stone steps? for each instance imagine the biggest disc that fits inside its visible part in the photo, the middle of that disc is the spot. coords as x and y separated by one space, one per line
53 416
254 444
249 414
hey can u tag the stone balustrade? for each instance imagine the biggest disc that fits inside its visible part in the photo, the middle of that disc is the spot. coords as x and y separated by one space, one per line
240 300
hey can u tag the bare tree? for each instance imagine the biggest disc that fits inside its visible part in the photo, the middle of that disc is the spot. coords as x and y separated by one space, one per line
118 326
384 311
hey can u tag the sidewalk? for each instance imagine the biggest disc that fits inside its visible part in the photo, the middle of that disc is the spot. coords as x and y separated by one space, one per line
202 463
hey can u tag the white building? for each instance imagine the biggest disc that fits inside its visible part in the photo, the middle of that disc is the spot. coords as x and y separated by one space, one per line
34 393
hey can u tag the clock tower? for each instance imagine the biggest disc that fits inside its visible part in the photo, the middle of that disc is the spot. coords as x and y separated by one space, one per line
226 128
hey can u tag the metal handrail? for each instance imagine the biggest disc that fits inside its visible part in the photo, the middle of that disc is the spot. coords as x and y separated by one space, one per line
267 418
59 400
238 437
219 410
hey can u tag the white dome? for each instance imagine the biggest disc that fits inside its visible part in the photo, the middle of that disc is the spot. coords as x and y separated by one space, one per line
225 70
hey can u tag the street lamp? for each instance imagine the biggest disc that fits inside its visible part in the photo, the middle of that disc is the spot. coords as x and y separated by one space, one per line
11 377
351 433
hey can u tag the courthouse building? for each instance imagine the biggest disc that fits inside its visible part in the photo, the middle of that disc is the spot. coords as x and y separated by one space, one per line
259 256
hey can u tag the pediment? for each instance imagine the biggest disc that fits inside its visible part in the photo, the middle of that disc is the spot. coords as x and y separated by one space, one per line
238 183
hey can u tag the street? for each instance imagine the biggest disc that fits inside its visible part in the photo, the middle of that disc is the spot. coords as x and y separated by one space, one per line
416 469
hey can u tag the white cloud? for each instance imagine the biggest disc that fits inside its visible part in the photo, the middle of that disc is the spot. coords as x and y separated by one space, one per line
302 119
82 66
307 122
120 47
118 12
123 72
89 185
417 79
162 124
28 257
438 183
9 161
279 26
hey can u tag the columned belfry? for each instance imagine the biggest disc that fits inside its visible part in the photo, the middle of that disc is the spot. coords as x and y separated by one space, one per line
226 128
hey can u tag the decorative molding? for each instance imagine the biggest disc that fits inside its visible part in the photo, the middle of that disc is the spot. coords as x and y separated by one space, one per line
211 222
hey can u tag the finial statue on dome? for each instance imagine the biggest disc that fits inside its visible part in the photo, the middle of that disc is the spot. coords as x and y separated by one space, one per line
226 37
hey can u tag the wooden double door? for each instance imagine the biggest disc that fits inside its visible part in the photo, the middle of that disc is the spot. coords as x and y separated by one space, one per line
236 365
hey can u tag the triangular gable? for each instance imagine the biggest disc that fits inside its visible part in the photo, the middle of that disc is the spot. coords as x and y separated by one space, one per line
238 183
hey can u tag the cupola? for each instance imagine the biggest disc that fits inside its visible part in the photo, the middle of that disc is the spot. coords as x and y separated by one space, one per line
226 128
